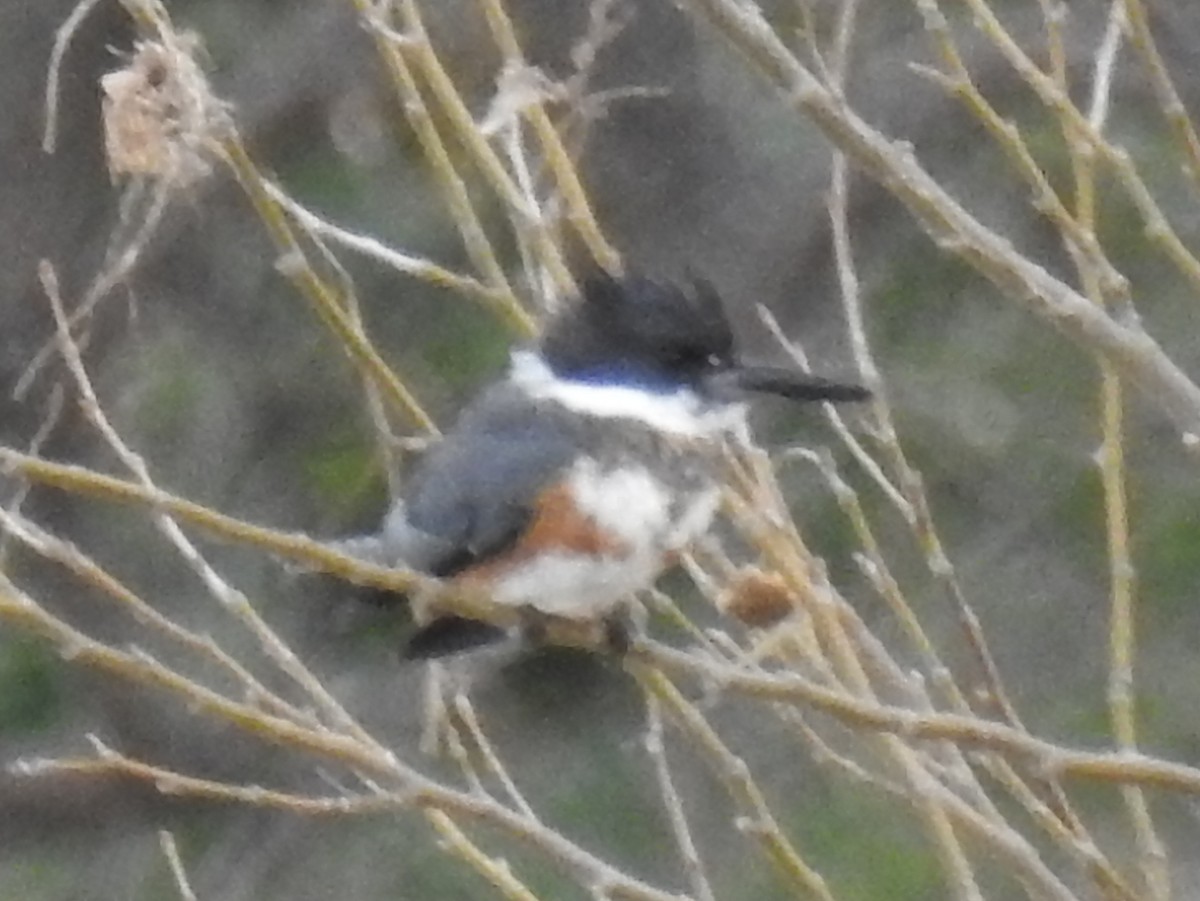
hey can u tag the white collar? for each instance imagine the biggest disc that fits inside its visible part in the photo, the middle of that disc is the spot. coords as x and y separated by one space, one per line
681 411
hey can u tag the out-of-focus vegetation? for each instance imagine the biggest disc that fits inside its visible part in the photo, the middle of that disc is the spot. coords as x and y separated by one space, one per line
210 364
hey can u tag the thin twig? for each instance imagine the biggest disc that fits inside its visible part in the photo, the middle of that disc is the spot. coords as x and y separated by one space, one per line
295 267
50 419
579 212
1169 100
376 19
20 610
693 864
232 600
468 132
466 713
120 261
166 841
1111 461
1158 228
1008 137
757 819
968 731
775 533
417 792
1136 354
495 870
90 572
501 302
291 546
62 41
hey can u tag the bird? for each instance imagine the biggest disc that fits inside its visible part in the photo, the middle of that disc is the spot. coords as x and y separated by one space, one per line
581 475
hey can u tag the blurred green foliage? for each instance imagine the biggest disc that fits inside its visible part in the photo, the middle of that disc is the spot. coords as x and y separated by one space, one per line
172 384
31 698
870 849
342 474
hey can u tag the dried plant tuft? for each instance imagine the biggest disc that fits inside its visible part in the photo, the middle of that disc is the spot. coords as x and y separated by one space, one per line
161 120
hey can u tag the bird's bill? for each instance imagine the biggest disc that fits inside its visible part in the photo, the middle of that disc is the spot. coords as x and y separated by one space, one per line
789 383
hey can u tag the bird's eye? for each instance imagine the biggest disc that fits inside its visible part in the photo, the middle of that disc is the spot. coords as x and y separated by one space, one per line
695 359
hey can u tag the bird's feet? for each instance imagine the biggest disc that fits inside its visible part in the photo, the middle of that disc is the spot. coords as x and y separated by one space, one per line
613 633
620 629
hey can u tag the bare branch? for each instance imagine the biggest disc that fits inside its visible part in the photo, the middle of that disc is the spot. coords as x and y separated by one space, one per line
1136 355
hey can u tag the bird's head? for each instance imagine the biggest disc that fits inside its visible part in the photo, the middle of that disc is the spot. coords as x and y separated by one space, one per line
656 337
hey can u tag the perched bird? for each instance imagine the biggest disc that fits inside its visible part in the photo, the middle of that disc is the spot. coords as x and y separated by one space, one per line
579 477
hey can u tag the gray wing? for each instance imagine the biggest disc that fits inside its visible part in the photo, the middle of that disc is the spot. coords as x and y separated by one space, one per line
474 493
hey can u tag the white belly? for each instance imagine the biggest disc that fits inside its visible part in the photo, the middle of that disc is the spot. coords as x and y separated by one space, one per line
641 517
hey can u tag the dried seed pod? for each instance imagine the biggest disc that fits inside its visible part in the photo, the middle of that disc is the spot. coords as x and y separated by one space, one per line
161 120
757 598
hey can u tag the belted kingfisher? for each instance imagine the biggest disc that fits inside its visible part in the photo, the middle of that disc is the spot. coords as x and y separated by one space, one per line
577 479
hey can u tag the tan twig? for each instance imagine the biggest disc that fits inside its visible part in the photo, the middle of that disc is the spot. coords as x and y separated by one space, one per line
1070 835
1054 14
426 60
500 302
120 261
387 443
295 547
452 740
1169 101
506 129
1005 843
693 864
166 841
291 546
169 782
915 507
466 713
806 580
967 731
416 793
22 611
1135 353
50 419
661 602
376 18
62 41
757 819
811 35
496 871
579 212
848 665
1111 461
1063 824
981 820
295 267
230 598
1007 136
88 571
1158 227
875 567
868 463
824 754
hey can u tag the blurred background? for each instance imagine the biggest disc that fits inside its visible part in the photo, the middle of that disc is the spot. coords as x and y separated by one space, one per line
224 379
